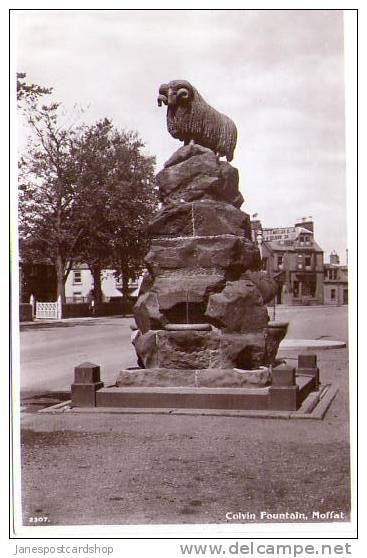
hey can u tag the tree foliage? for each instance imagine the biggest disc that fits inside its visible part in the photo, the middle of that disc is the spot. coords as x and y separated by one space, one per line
85 193
48 224
115 191
29 93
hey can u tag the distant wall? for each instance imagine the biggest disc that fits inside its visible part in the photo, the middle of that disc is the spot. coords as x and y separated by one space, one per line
25 312
104 309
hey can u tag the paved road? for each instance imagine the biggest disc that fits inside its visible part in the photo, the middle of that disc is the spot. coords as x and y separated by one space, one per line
315 322
49 353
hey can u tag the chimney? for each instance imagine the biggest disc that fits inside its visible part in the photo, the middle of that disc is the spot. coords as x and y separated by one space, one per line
306 223
334 258
256 228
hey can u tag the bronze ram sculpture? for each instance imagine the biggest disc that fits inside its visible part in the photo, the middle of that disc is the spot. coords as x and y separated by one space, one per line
191 119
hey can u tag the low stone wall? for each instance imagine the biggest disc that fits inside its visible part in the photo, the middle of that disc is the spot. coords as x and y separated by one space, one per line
80 310
76 310
25 312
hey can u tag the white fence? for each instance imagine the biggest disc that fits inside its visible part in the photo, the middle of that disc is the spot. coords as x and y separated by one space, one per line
49 310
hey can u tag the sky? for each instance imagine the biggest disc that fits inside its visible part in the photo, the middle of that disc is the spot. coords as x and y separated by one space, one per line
279 74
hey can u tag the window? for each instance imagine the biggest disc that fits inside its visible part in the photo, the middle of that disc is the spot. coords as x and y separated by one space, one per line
280 260
308 261
77 277
332 294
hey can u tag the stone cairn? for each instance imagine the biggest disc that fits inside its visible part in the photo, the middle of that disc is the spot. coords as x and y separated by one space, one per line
201 315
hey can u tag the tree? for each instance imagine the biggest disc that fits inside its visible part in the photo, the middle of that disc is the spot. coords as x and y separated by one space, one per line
116 192
48 228
85 194
29 93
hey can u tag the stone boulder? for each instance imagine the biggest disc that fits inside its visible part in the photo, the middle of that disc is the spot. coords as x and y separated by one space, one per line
246 351
185 152
176 297
147 313
181 288
200 218
232 254
178 349
238 308
274 334
194 173
267 286
194 350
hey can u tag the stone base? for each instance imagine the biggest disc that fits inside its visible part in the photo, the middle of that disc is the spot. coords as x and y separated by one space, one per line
214 377
206 398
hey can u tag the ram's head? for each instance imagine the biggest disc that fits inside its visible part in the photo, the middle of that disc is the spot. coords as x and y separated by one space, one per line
175 92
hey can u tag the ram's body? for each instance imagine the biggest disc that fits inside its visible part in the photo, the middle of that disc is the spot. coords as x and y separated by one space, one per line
190 118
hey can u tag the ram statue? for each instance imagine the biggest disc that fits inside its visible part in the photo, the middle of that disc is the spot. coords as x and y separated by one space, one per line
191 120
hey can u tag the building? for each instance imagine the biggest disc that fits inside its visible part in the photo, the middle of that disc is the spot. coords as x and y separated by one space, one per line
39 279
294 253
335 281
79 285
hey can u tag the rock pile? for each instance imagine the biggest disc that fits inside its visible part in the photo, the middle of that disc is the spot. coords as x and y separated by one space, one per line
202 305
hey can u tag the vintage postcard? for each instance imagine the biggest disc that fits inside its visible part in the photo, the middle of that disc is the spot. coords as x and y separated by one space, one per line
183 275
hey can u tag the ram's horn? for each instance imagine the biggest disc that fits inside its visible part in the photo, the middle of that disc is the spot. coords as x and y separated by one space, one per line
162 99
183 93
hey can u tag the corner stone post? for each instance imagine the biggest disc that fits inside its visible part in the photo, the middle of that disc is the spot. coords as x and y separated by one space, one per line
86 382
283 392
307 366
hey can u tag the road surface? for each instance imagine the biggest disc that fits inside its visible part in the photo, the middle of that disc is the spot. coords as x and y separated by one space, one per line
49 352
48 355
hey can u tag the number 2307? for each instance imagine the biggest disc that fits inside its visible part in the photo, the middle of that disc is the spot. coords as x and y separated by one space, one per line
38 519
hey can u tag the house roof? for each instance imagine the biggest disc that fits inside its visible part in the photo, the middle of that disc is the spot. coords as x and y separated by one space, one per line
290 246
302 230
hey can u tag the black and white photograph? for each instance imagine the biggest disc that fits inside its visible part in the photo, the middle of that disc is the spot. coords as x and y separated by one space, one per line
181 273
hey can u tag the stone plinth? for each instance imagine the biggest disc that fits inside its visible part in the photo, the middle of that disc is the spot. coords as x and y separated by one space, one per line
307 366
214 377
86 383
